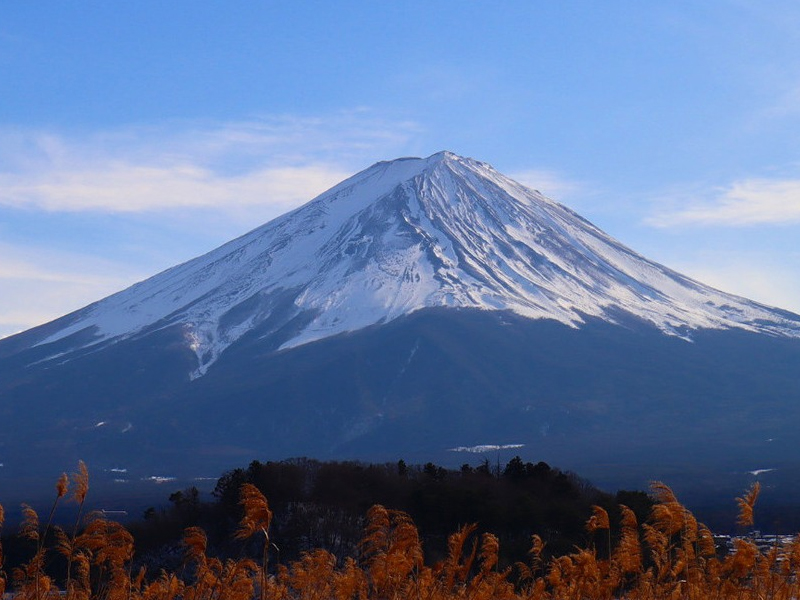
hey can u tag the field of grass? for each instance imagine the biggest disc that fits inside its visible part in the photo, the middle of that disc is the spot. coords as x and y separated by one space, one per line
670 556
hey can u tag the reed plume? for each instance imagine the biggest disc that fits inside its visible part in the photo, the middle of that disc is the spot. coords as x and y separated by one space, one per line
235 581
80 481
627 557
746 505
349 582
490 551
456 566
598 520
196 543
535 553
62 485
166 587
391 550
257 517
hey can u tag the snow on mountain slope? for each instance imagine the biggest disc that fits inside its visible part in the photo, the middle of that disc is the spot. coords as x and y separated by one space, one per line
404 235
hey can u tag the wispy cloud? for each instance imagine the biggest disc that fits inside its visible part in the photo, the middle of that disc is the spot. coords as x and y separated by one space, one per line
279 162
131 187
550 183
746 202
750 275
39 284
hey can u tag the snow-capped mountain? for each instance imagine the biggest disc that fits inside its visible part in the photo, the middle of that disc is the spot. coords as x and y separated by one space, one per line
421 309
413 233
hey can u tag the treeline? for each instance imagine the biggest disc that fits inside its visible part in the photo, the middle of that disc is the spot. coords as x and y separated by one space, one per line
321 505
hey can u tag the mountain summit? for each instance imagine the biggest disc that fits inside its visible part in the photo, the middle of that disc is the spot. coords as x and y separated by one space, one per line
424 305
412 233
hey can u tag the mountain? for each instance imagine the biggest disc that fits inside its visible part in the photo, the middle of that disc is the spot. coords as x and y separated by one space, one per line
421 305
400 236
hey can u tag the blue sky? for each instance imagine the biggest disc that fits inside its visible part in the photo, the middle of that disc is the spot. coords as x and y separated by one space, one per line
137 135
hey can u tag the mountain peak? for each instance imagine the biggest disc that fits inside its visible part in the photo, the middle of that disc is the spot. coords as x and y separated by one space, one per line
405 168
385 174
433 159
445 156
402 235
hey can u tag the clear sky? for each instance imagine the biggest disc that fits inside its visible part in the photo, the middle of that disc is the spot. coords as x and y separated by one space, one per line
137 135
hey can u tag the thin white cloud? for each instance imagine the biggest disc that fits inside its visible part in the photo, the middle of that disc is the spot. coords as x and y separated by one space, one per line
753 277
279 162
130 187
550 183
747 202
40 285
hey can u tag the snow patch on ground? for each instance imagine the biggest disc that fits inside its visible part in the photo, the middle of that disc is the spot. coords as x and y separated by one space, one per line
485 448
758 472
159 479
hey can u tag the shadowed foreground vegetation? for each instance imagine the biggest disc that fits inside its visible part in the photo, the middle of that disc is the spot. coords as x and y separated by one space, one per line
670 555
323 505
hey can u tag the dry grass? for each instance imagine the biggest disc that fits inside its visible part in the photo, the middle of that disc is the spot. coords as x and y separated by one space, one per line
671 557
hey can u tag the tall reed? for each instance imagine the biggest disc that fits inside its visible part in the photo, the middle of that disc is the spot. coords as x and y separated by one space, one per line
669 557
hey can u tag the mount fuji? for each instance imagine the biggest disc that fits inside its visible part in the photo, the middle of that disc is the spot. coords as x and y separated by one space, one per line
421 305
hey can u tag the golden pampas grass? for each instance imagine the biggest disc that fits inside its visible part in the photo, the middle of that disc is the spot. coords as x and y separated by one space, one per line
746 505
80 480
669 557
598 520
257 515
62 485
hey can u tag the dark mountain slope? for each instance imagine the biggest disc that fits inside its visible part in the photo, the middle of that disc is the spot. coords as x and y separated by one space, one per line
620 404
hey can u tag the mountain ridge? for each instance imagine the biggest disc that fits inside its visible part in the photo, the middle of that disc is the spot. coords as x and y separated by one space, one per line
399 236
